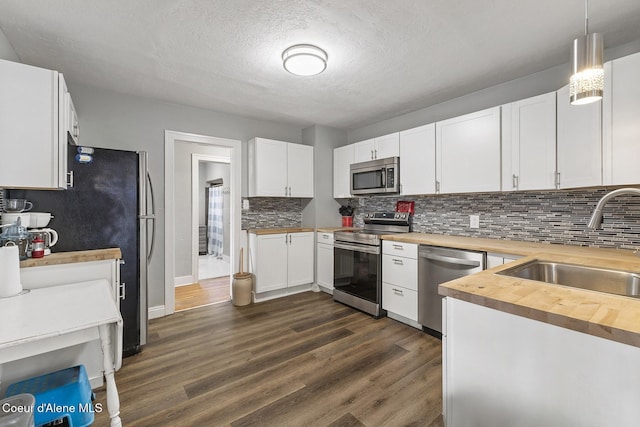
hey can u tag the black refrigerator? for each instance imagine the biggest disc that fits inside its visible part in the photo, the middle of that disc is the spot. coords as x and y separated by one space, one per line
109 205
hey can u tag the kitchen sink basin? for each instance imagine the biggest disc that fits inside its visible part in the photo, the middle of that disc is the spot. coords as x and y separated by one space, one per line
577 276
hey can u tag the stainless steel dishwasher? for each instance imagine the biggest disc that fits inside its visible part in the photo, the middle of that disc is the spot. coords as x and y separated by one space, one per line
437 265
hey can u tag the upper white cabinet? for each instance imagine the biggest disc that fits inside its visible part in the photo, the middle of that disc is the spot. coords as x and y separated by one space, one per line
280 169
468 153
579 146
342 159
73 129
621 121
529 143
380 147
33 127
418 160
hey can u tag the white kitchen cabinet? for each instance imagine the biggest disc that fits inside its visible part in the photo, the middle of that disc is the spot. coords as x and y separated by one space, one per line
468 153
379 147
342 159
400 280
621 126
73 128
418 160
324 261
281 261
280 169
579 147
500 369
33 126
529 143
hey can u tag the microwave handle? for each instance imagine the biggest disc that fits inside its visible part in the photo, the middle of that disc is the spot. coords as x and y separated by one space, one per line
384 177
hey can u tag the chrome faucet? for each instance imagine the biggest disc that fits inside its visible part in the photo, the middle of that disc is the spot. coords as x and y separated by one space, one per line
596 218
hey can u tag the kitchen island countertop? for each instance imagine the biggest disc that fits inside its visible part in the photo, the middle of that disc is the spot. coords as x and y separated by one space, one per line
58 258
604 315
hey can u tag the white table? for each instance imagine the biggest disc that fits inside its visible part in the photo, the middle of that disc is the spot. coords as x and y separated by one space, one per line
56 317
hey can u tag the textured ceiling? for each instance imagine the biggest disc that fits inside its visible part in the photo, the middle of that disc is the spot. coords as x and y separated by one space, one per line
386 57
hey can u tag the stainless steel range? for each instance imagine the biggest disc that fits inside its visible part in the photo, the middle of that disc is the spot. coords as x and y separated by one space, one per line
357 254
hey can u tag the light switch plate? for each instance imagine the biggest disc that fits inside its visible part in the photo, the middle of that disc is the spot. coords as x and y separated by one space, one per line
474 221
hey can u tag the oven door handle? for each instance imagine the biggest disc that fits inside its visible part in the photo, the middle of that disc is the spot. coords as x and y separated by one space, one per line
357 248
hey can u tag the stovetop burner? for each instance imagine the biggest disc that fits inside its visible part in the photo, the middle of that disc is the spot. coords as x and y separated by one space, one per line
375 225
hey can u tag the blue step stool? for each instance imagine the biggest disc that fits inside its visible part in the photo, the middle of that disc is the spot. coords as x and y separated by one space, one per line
60 396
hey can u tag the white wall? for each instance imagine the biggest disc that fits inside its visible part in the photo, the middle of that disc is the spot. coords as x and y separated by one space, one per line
119 121
535 84
6 50
322 211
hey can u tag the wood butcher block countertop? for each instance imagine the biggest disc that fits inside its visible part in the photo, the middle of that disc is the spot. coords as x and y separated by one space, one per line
334 229
604 315
57 258
262 231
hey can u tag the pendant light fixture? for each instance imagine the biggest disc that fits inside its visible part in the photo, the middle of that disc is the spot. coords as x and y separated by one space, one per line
304 60
587 71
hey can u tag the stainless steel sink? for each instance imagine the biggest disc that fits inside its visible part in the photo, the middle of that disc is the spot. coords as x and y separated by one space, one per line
596 279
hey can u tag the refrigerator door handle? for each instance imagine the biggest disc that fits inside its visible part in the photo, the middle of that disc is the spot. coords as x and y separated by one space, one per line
152 217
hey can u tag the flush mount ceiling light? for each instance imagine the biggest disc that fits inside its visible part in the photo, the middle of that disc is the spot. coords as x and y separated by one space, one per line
587 71
304 60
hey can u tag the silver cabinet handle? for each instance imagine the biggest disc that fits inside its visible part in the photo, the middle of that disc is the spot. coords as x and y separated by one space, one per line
437 186
372 155
451 260
397 261
375 154
557 179
398 247
289 191
123 291
398 291
285 191
515 181
70 179
324 236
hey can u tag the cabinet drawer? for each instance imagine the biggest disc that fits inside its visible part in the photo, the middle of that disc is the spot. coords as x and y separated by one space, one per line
399 300
400 271
325 238
408 250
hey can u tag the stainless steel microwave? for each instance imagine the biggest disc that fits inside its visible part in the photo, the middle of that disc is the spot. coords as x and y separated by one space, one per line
380 176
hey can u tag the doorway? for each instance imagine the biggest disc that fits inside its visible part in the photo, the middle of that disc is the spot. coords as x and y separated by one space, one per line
184 155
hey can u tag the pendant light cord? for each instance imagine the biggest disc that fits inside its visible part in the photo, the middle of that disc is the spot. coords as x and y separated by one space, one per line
586 17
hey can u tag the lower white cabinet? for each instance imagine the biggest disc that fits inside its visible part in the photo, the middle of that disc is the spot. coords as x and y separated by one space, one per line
281 261
324 261
400 279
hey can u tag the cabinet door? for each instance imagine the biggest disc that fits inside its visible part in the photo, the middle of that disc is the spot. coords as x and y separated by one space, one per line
579 142
621 110
387 146
418 160
533 142
324 260
72 127
271 262
342 159
300 258
364 151
29 124
468 152
400 300
269 171
300 170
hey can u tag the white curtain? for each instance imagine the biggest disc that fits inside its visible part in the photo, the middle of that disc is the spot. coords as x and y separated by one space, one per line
214 222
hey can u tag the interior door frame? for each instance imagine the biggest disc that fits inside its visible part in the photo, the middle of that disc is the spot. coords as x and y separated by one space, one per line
195 207
170 138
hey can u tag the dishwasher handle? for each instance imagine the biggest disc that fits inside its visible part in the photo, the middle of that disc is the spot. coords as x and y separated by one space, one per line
451 260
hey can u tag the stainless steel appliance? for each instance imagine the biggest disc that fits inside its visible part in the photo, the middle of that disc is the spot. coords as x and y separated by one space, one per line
380 176
435 266
357 256
110 205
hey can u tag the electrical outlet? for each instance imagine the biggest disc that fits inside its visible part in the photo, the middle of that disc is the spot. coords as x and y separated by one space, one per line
245 204
474 221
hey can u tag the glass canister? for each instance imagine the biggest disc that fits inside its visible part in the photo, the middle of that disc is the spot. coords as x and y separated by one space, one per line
15 234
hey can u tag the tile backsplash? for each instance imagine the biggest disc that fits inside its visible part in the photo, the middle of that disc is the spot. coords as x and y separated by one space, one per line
273 212
546 216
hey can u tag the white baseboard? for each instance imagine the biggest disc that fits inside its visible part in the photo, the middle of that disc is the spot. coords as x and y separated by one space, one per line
156 312
183 280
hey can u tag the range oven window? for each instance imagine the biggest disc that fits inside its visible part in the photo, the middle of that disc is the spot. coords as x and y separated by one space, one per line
368 180
357 271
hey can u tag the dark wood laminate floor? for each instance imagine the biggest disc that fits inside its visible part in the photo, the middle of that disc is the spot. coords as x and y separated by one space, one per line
302 360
